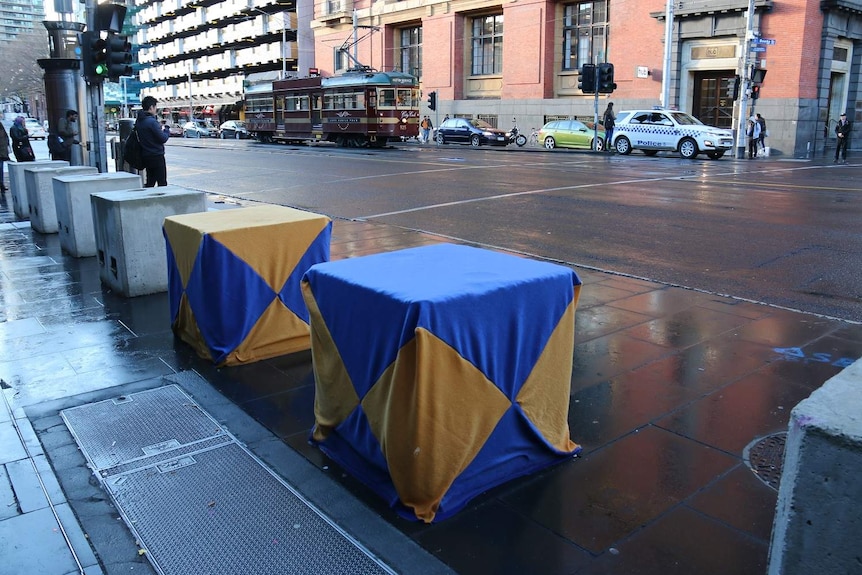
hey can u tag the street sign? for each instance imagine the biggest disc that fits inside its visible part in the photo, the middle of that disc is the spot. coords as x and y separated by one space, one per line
758 48
767 41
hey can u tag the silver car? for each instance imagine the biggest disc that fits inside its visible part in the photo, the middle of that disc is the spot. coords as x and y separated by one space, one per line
198 129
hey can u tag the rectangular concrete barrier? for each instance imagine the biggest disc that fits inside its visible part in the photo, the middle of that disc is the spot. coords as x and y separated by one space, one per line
18 186
129 241
40 194
74 213
818 519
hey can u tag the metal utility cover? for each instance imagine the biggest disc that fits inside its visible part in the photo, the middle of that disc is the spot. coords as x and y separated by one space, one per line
200 502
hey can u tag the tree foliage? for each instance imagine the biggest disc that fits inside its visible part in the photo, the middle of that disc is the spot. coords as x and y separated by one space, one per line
22 78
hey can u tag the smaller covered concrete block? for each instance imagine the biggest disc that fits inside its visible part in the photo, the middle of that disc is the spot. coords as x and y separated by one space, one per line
74 213
129 241
819 518
18 186
40 194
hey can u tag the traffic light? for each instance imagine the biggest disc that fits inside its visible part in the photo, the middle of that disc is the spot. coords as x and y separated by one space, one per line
587 79
432 100
733 88
119 56
755 92
94 56
606 78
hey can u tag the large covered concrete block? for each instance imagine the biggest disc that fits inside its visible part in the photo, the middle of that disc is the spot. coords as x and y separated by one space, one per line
129 241
818 520
18 186
74 213
40 194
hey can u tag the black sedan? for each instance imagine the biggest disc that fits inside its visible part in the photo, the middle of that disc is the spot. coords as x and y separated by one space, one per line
473 132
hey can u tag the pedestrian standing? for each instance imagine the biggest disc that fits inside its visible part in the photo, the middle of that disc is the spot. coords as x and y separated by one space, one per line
609 121
67 129
762 121
842 133
21 141
753 133
152 137
4 155
426 130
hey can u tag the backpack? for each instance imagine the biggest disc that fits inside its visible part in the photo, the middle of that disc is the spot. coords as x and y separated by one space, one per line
55 145
133 154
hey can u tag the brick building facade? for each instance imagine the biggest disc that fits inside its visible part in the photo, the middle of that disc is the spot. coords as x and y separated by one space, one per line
520 58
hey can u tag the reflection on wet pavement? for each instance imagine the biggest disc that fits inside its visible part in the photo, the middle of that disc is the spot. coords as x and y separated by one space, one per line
669 386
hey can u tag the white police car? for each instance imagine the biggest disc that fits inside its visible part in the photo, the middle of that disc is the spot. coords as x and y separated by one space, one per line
655 130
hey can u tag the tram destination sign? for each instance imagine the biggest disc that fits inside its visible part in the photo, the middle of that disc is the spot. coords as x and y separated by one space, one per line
766 41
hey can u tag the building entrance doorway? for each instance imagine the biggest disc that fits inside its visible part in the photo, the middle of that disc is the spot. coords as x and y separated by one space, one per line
712 104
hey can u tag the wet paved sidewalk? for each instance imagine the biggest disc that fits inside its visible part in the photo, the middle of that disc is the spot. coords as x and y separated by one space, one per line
670 387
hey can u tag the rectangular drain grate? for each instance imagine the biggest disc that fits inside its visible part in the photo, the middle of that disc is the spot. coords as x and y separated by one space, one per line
200 502
124 429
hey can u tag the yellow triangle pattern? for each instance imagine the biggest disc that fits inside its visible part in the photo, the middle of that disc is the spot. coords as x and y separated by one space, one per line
427 438
544 397
278 331
334 395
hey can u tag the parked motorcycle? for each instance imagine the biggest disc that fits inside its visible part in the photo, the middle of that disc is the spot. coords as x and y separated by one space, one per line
515 135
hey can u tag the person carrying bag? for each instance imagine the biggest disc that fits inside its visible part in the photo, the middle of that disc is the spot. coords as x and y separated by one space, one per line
21 141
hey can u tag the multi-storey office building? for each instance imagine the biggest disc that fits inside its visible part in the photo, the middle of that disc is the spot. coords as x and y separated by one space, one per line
18 16
198 53
520 58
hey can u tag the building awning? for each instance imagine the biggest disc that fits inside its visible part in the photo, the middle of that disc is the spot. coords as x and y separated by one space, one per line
225 100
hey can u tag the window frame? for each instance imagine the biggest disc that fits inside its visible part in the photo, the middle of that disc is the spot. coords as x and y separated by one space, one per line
585 33
486 45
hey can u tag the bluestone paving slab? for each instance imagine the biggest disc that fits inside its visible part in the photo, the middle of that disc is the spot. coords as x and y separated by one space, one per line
28 488
11 448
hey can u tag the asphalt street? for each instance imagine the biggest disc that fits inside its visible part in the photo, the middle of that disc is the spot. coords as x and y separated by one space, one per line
777 230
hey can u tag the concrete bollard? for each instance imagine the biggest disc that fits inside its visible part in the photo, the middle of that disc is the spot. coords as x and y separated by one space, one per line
129 241
18 186
40 194
818 519
74 213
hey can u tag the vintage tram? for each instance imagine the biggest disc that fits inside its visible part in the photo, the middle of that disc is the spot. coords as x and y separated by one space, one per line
356 109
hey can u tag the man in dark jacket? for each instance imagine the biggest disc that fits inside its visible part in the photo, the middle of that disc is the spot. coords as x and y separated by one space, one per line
152 137
842 133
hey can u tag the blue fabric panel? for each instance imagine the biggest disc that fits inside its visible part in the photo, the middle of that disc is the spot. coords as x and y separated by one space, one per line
444 288
343 306
361 455
510 452
175 281
291 294
243 300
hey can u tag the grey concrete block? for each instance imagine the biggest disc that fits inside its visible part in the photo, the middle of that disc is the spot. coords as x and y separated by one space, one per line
18 187
818 518
74 213
40 194
129 241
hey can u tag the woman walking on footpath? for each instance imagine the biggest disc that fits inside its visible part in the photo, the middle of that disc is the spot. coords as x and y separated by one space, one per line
152 137
21 141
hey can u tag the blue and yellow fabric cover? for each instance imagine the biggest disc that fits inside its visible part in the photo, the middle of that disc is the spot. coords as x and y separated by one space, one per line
441 371
234 280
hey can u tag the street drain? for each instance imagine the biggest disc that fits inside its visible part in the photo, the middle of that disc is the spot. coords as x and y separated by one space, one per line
765 457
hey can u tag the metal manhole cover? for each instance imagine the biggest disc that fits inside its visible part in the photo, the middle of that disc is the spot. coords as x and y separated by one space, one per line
765 457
